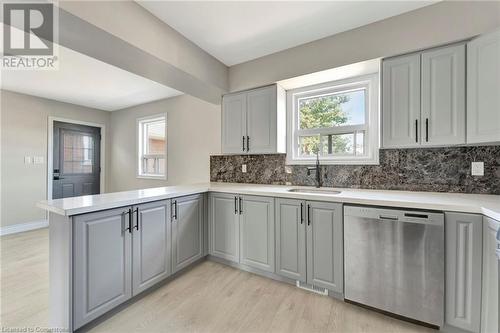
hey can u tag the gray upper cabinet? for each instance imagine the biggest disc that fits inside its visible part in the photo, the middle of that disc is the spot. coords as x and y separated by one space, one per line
187 230
102 263
401 101
291 239
224 228
257 232
325 263
151 244
443 96
253 122
423 98
463 270
483 82
234 123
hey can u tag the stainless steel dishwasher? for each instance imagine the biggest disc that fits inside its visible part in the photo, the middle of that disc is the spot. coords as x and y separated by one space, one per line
394 261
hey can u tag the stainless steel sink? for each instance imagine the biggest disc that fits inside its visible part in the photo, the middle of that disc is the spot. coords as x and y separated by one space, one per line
314 191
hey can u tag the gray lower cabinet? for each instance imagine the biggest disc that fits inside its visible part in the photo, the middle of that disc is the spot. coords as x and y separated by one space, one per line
463 270
224 227
309 243
187 230
151 242
291 239
325 254
102 264
257 232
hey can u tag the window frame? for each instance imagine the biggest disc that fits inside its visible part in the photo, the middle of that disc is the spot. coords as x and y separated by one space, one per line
140 143
371 127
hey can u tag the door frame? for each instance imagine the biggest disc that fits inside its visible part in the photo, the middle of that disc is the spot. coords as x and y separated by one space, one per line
50 150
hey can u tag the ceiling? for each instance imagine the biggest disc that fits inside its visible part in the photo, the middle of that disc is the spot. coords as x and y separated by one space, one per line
86 81
239 31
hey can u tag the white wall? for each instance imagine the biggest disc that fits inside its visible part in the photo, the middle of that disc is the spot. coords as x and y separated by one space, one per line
193 134
24 123
433 25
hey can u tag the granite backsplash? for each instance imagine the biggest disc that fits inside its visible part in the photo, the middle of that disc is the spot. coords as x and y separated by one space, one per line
422 169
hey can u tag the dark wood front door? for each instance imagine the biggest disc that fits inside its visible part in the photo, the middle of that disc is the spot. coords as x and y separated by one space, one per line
77 156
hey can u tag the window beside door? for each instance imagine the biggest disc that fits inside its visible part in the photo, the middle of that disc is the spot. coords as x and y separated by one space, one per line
152 147
338 121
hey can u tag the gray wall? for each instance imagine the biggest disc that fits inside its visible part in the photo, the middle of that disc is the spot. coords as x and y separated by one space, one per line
24 123
193 133
433 25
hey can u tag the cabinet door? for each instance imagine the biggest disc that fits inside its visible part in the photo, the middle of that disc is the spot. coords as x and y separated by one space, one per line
151 244
443 96
261 120
325 246
101 263
401 101
463 270
224 229
257 232
234 123
291 239
490 315
483 80
187 231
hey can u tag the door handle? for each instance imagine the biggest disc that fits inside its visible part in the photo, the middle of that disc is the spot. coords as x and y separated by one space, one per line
426 129
416 130
241 205
243 143
301 213
129 212
308 214
136 211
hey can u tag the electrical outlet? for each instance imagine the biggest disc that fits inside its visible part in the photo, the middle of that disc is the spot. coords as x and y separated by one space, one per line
244 168
37 159
27 159
477 168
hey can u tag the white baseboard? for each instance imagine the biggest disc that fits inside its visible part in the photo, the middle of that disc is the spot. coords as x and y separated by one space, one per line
15 228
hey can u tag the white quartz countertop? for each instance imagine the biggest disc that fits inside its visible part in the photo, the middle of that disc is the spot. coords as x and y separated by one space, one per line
488 205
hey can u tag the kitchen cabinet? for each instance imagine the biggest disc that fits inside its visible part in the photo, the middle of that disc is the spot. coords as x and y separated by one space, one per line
102 261
242 229
490 320
257 232
483 80
325 263
291 239
151 244
443 96
309 243
234 125
401 101
224 227
187 230
463 270
423 98
253 122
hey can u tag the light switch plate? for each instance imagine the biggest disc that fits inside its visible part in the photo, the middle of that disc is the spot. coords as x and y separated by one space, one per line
27 159
244 168
477 168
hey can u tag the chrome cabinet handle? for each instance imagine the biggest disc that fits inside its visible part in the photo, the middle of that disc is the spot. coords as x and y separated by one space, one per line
235 205
384 217
248 143
308 214
243 143
426 129
241 206
416 130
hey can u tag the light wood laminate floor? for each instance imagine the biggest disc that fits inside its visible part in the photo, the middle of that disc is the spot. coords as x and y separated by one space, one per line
211 297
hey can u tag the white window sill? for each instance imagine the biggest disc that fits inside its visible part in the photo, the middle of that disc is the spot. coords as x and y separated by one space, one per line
157 177
312 161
